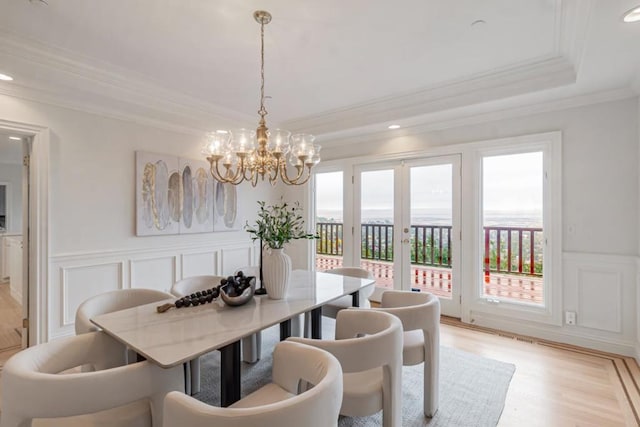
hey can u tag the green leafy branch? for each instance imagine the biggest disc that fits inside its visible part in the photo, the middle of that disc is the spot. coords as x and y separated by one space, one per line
279 224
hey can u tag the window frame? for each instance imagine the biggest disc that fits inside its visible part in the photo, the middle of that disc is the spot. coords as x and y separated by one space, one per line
482 309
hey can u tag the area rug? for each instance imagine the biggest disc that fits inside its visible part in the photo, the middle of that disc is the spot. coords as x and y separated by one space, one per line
472 388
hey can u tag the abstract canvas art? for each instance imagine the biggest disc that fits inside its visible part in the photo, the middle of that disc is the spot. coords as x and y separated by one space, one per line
226 208
173 195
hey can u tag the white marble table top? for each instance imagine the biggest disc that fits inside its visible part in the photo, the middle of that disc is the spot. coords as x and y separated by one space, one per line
179 335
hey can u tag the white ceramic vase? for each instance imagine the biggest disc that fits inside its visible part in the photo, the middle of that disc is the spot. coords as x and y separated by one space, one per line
276 270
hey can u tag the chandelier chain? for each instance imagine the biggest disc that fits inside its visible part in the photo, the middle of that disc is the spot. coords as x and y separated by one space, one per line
262 111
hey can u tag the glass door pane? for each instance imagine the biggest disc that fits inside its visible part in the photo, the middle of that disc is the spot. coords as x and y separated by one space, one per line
329 220
431 229
376 225
431 216
512 219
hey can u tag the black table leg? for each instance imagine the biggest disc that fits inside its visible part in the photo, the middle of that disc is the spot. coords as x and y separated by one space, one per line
285 329
230 374
355 299
316 323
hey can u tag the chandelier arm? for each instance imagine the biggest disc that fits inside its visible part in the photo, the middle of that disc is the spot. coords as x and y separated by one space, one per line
273 177
285 176
252 174
297 180
230 177
215 172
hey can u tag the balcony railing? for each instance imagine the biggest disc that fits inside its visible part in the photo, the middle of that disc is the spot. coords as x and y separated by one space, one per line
512 250
515 250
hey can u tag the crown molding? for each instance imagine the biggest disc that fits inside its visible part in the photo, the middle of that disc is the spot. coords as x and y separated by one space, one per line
558 68
435 122
572 24
105 89
517 80
86 84
124 113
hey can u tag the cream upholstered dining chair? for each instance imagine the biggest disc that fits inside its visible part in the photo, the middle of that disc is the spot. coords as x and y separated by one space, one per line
40 384
419 313
331 309
111 301
181 288
368 345
281 403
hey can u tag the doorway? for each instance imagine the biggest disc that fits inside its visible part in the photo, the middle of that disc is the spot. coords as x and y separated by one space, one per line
407 226
14 176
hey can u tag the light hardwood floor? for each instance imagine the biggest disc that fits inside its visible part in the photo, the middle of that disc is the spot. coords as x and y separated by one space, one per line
10 319
553 385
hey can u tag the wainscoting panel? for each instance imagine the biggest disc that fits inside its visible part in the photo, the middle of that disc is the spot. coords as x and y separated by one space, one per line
598 289
199 264
154 273
601 290
76 277
81 283
235 258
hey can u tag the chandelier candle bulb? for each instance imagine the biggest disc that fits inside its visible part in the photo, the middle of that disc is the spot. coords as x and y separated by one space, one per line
248 155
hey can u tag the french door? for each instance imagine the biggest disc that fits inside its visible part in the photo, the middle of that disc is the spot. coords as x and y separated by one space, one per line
407 226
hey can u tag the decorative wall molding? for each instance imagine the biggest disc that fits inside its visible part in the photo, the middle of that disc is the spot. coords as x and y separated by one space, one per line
83 83
559 67
86 283
601 289
76 277
517 80
105 89
478 115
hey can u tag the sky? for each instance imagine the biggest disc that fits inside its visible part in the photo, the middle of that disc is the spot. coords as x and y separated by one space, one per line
512 185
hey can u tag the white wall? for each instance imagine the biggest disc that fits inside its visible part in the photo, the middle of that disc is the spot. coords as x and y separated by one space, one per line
93 246
600 212
12 174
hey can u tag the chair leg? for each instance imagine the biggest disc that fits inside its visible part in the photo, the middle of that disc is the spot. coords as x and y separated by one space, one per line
251 348
187 378
296 326
431 374
195 375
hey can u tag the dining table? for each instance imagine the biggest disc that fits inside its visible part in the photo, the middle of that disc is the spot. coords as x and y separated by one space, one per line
181 334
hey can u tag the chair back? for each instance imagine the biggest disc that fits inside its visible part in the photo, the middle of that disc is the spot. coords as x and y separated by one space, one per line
419 313
293 364
368 339
192 284
113 301
416 310
38 387
358 272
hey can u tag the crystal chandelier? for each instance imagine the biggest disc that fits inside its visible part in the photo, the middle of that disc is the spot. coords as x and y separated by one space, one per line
248 155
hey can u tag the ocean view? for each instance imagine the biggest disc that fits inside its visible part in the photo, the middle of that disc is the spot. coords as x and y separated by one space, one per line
431 217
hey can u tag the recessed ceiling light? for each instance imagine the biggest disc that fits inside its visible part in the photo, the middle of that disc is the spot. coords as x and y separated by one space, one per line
5 77
394 126
15 138
633 15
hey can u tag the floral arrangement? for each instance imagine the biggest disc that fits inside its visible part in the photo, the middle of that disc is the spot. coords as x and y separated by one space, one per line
278 224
